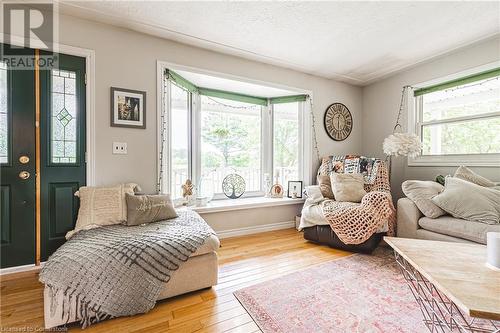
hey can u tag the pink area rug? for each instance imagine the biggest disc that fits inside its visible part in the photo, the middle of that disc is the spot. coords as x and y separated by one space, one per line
359 293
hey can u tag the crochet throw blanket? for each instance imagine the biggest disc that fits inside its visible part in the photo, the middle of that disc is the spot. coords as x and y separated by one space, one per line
354 223
120 270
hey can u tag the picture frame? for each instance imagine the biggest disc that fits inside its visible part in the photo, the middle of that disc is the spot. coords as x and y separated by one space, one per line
128 108
276 191
294 186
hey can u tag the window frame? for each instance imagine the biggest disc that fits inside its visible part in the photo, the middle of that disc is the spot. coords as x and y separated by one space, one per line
195 129
416 125
196 134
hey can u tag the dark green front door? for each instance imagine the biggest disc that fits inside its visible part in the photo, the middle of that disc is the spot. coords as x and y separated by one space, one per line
62 157
63 149
17 158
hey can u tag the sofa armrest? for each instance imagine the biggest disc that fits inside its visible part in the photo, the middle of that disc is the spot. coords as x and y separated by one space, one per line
408 216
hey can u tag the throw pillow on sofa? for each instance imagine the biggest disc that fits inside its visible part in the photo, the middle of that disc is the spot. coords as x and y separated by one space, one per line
101 206
421 192
467 174
326 186
469 201
149 208
348 187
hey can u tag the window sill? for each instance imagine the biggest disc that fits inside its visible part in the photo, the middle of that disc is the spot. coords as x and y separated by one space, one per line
492 160
216 206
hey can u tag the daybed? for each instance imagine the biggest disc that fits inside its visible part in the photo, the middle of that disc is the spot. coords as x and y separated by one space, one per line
198 272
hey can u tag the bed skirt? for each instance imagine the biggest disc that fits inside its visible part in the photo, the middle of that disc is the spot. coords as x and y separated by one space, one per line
323 234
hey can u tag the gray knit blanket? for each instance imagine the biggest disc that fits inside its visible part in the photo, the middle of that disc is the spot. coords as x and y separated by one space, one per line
119 270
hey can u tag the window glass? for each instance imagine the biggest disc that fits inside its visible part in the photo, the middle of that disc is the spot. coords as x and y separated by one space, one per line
230 142
286 142
64 117
467 100
180 139
461 120
479 136
4 125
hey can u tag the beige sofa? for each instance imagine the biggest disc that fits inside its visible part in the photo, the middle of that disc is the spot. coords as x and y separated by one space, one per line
411 223
198 272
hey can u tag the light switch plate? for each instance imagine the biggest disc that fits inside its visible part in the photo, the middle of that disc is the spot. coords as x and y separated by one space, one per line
120 148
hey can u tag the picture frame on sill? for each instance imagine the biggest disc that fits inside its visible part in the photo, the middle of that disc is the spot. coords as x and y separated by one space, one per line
128 108
276 191
294 189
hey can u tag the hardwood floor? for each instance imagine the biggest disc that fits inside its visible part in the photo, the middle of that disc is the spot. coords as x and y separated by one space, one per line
243 261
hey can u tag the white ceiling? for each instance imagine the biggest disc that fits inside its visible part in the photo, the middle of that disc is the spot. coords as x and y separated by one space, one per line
356 42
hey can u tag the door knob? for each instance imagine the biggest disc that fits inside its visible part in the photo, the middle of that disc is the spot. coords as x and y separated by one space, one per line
24 175
24 159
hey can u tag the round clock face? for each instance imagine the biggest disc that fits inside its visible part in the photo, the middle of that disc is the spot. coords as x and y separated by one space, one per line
338 121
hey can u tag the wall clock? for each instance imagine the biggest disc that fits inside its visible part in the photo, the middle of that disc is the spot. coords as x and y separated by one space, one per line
338 121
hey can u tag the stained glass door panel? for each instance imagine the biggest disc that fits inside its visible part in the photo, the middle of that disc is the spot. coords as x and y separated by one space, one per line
4 115
64 117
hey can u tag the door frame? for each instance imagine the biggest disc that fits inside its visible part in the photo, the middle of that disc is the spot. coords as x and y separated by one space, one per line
89 56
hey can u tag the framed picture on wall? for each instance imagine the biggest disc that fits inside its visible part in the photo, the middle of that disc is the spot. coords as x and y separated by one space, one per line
128 108
295 189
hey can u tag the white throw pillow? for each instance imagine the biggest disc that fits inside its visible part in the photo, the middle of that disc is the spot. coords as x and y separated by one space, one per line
467 174
101 206
469 201
348 186
313 193
421 192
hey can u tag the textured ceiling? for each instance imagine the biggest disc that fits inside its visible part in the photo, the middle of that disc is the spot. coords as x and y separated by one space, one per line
356 42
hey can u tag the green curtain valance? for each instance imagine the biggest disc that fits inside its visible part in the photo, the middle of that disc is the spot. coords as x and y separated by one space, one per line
180 81
458 82
233 96
288 99
189 86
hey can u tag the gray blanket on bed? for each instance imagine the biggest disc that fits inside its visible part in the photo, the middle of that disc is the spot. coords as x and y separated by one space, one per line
117 270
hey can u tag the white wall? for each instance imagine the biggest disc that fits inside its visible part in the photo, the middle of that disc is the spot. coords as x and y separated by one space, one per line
381 104
127 59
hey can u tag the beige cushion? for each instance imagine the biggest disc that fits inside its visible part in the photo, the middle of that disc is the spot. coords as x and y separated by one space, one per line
467 174
314 194
326 186
348 186
149 208
421 192
469 201
101 206
451 226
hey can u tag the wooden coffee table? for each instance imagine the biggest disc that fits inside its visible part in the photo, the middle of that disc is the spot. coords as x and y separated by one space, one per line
451 283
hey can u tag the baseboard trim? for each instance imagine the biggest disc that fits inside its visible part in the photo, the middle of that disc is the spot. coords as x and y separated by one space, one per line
255 229
20 269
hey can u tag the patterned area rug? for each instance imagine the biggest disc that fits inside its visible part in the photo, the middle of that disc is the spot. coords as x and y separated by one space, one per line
359 293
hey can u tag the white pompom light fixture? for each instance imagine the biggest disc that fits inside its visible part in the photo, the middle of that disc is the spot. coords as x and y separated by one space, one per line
399 143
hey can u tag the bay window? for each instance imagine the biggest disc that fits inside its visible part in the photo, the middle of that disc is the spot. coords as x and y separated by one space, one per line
180 106
458 121
287 142
209 134
231 142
